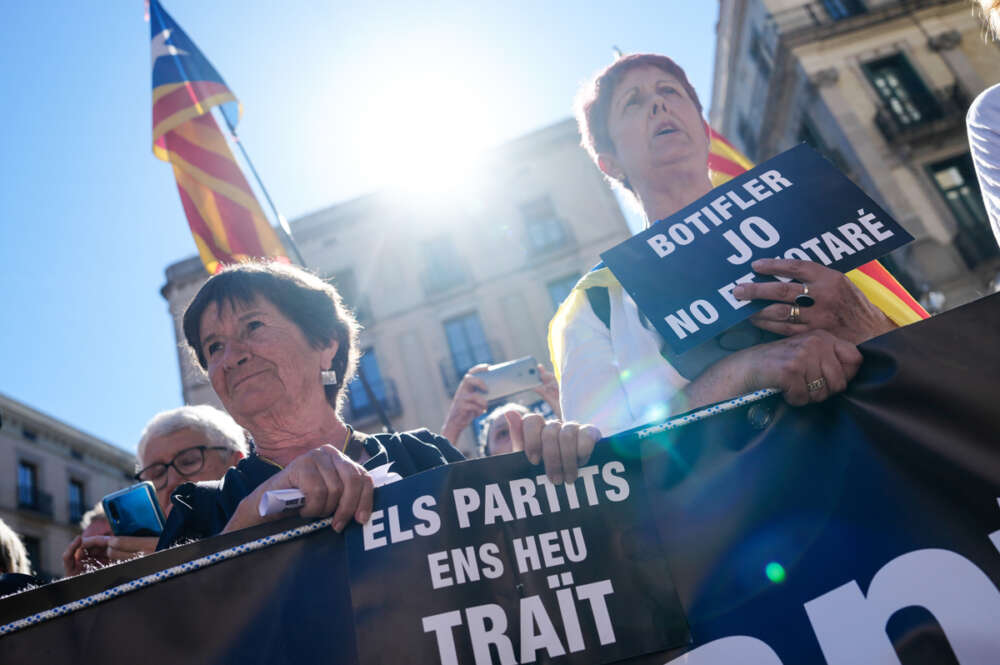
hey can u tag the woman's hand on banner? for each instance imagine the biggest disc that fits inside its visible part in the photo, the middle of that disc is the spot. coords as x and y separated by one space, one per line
119 548
808 367
562 447
333 484
819 299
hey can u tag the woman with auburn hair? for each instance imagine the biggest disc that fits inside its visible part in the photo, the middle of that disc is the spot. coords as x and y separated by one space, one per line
641 122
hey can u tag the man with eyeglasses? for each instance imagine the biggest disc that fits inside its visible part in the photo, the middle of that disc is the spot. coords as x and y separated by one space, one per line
187 444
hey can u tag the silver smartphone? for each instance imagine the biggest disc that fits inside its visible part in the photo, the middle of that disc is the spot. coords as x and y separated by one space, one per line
134 511
510 378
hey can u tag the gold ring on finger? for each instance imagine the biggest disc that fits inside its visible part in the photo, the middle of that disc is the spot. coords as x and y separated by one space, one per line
793 314
816 385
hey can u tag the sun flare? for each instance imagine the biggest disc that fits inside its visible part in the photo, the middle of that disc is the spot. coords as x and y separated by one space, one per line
422 133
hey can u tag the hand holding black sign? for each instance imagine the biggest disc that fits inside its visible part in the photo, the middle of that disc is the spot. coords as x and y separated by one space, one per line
837 305
684 271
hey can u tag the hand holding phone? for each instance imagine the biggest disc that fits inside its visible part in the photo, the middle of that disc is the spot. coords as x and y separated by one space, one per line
510 378
134 511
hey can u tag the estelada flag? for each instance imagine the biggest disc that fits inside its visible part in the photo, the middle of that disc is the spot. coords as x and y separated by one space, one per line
222 211
724 163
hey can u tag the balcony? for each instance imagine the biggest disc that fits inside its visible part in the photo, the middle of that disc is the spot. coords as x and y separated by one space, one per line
451 375
443 277
814 21
947 113
34 500
544 236
360 410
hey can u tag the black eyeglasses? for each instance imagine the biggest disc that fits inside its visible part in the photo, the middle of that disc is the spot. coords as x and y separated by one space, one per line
187 463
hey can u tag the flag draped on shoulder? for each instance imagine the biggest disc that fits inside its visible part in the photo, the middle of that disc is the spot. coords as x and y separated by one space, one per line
724 163
222 211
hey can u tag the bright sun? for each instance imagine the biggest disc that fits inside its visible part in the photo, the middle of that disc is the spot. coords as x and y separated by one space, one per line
420 133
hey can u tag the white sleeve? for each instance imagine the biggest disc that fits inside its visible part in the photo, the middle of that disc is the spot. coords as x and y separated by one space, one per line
983 122
590 387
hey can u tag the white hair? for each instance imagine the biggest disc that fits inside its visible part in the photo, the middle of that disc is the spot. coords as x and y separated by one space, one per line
95 513
217 426
13 555
487 425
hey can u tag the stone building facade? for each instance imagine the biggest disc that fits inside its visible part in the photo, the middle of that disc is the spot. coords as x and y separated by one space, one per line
881 87
444 282
53 474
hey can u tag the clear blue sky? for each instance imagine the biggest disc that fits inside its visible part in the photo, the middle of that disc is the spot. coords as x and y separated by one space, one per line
332 106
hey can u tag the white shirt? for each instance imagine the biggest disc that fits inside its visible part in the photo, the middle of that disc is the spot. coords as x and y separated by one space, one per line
615 379
983 122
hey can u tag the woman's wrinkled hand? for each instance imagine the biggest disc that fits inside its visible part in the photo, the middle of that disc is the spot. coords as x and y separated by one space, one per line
549 390
808 367
840 308
116 548
331 482
563 447
468 404
72 558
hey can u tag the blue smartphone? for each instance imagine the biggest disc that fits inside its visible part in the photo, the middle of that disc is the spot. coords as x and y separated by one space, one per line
134 511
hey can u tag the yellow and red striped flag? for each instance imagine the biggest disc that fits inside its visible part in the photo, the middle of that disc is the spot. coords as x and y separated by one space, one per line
222 211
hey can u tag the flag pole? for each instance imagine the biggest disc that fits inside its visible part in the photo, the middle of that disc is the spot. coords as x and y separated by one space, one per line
282 222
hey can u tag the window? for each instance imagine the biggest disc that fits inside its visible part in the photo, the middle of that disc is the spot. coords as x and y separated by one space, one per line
357 397
759 53
76 501
902 91
560 288
543 230
747 136
27 485
467 342
347 287
955 178
841 9
809 136
442 268
29 434
34 549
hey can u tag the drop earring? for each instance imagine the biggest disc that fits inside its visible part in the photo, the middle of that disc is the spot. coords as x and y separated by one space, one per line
328 377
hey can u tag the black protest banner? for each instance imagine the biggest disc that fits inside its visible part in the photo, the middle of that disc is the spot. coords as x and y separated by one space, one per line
487 561
865 529
682 270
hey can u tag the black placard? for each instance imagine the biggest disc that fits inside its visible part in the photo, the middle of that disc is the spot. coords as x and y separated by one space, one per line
681 270
487 557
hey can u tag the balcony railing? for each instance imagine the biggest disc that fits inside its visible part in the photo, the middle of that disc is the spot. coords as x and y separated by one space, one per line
948 112
34 500
544 236
440 278
388 397
452 374
812 21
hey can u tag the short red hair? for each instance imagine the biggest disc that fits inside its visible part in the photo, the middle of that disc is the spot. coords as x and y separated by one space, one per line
593 101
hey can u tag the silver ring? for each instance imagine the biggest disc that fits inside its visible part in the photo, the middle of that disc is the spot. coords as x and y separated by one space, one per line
793 315
816 385
804 299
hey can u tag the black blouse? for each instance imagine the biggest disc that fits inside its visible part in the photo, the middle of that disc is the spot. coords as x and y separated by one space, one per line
203 509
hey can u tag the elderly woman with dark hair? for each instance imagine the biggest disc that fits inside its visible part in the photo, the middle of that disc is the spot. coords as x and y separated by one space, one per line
279 345
641 121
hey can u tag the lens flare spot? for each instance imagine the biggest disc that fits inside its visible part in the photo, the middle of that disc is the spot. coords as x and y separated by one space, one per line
625 374
775 572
